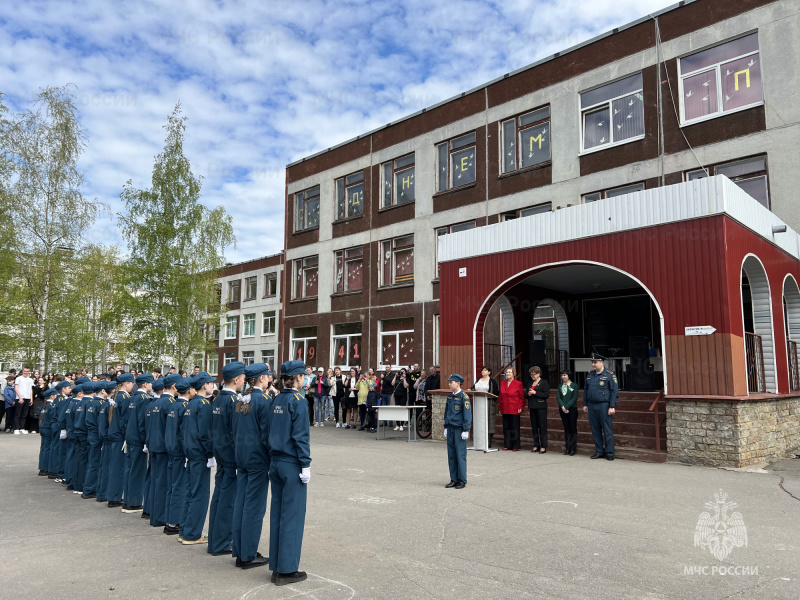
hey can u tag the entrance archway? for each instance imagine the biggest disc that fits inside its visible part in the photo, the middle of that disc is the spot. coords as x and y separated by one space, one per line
578 279
757 327
791 320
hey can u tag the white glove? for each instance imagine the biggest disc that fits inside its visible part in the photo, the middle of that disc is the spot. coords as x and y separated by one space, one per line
465 435
186 464
145 450
212 462
445 432
112 402
125 446
63 435
305 474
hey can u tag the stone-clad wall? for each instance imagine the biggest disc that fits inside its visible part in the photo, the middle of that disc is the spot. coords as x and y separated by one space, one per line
732 434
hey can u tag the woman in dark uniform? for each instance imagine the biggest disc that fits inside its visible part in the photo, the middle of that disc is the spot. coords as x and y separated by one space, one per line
538 394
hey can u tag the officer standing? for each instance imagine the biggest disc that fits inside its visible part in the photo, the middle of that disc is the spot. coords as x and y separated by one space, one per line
45 431
290 461
93 442
457 423
220 517
157 389
252 468
105 444
173 440
157 449
64 388
200 459
55 435
81 436
599 399
134 439
117 422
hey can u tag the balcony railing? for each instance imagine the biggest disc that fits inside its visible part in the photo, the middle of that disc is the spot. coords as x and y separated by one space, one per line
794 367
756 379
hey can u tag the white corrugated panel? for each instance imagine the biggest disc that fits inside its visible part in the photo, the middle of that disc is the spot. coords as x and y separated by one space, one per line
762 316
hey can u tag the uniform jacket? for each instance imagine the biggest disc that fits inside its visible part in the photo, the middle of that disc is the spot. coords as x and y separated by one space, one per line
458 411
173 435
91 418
117 417
251 433
196 428
540 394
45 418
288 428
154 436
601 387
137 406
102 420
62 404
81 406
512 397
72 402
222 427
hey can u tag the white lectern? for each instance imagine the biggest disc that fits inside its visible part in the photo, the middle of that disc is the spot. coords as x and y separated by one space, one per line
480 420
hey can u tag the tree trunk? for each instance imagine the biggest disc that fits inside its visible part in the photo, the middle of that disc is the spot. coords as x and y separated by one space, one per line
43 318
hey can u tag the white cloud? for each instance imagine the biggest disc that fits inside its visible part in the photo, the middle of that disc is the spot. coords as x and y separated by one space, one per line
264 84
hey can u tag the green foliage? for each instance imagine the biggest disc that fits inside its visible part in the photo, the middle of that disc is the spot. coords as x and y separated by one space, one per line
176 252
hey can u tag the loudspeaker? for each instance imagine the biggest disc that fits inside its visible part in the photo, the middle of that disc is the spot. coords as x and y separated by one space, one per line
637 348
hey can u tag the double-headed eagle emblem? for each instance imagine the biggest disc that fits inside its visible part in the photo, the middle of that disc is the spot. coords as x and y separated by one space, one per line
719 530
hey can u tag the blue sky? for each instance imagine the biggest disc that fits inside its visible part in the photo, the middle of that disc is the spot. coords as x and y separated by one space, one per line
266 83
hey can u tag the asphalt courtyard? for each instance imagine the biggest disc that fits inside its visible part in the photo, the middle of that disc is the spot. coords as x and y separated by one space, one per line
380 524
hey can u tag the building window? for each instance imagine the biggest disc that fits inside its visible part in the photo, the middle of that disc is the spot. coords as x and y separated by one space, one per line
213 364
250 288
612 114
525 140
306 209
527 212
435 339
270 285
350 196
398 181
349 269
396 342
304 343
268 356
249 325
248 357
750 174
231 327
444 231
347 345
721 79
456 162
305 277
620 191
233 291
268 323
398 260
230 357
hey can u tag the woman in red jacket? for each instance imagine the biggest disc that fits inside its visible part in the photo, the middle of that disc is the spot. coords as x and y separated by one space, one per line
510 405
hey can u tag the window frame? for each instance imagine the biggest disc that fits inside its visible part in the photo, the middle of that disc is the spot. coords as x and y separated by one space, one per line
396 334
349 345
447 229
345 186
716 67
270 281
393 188
265 359
394 249
607 104
305 340
711 170
301 283
248 282
252 358
450 151
231 320
302 197
229 358
234 289
265 316
603 193
251 322
346 260
212 359
519 129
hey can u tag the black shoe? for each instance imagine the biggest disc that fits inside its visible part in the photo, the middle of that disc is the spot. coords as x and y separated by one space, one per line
52 476
101 499
595 455
89 495
572 453
42 473
172 530
113 504
460 485
566 451
145 515
286 578
274 576
451 484
258 561
223 553
610 457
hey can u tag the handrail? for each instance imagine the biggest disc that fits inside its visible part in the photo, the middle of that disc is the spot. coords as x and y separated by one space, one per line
654 409
503 370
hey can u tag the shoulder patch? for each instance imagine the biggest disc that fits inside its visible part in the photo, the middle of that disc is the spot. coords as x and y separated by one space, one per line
466 404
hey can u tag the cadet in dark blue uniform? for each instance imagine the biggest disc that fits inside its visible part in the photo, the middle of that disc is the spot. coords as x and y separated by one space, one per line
70 461
60 424
81 436
176 471
134 439
117 422
220 517
200 459
599 399
105 444
457 423
290 471
93 441
55 435
252 468
157 448
45 431
158 388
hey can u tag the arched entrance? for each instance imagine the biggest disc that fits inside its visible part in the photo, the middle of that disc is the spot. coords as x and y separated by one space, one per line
757 324
791 321
596 307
